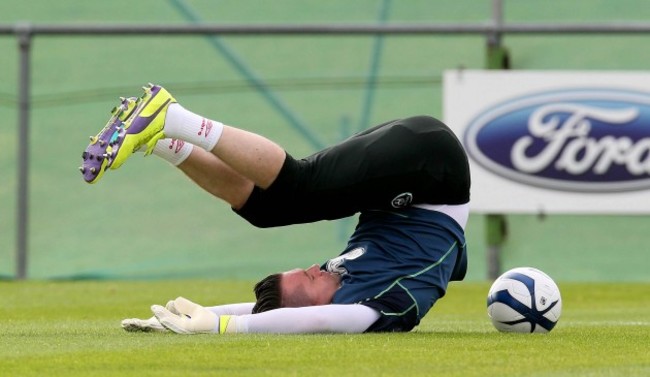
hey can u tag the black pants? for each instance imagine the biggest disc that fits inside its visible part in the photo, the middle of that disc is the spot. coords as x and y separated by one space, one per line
407 161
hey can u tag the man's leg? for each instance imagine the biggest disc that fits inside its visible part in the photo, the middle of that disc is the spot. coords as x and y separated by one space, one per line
417 156
217 178
157 116
251 155
408 161
206 170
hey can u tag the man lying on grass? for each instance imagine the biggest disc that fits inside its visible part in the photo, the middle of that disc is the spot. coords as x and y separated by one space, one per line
408 178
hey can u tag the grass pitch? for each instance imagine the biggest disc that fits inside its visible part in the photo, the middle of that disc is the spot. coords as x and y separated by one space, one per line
72 329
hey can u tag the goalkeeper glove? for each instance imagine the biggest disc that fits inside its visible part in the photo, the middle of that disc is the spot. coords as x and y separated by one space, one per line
190 318
147 325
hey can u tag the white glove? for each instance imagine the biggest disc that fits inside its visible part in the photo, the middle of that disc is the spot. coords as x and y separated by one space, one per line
147 325
186 317
144 325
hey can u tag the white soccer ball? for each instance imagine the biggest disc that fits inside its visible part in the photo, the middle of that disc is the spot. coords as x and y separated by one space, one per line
524 300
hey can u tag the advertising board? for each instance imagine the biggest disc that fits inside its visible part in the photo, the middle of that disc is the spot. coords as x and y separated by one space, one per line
553 141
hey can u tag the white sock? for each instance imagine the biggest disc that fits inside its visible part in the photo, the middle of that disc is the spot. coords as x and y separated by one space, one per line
173 151
183 124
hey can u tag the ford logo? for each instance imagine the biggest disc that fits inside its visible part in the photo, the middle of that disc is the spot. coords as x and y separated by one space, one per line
591 140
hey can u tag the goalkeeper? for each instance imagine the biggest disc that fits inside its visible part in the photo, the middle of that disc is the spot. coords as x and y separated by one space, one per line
408 179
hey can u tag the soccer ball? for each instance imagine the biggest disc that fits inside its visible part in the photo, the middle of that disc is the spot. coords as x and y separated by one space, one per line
524 300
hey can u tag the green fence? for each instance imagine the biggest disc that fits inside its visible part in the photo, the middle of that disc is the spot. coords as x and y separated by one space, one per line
148 221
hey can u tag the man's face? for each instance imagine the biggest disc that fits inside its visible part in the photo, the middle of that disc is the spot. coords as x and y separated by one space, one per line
308 287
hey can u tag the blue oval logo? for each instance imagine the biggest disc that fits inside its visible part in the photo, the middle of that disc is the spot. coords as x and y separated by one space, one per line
585 140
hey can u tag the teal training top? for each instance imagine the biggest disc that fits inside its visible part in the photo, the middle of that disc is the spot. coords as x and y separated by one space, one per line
399 263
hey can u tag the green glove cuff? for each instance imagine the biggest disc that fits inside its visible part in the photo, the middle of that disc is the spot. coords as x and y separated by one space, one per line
224 321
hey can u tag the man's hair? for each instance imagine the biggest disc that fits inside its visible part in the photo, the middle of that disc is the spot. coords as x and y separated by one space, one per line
268 294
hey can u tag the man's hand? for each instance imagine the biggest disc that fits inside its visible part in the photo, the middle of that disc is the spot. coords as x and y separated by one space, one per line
147 325
186 317
143 325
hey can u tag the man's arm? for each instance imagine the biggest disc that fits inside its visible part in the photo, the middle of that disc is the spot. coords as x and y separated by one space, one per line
191 318
310 319
232 309
153 325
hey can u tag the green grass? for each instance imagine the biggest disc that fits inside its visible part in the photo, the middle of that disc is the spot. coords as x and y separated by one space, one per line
72 329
